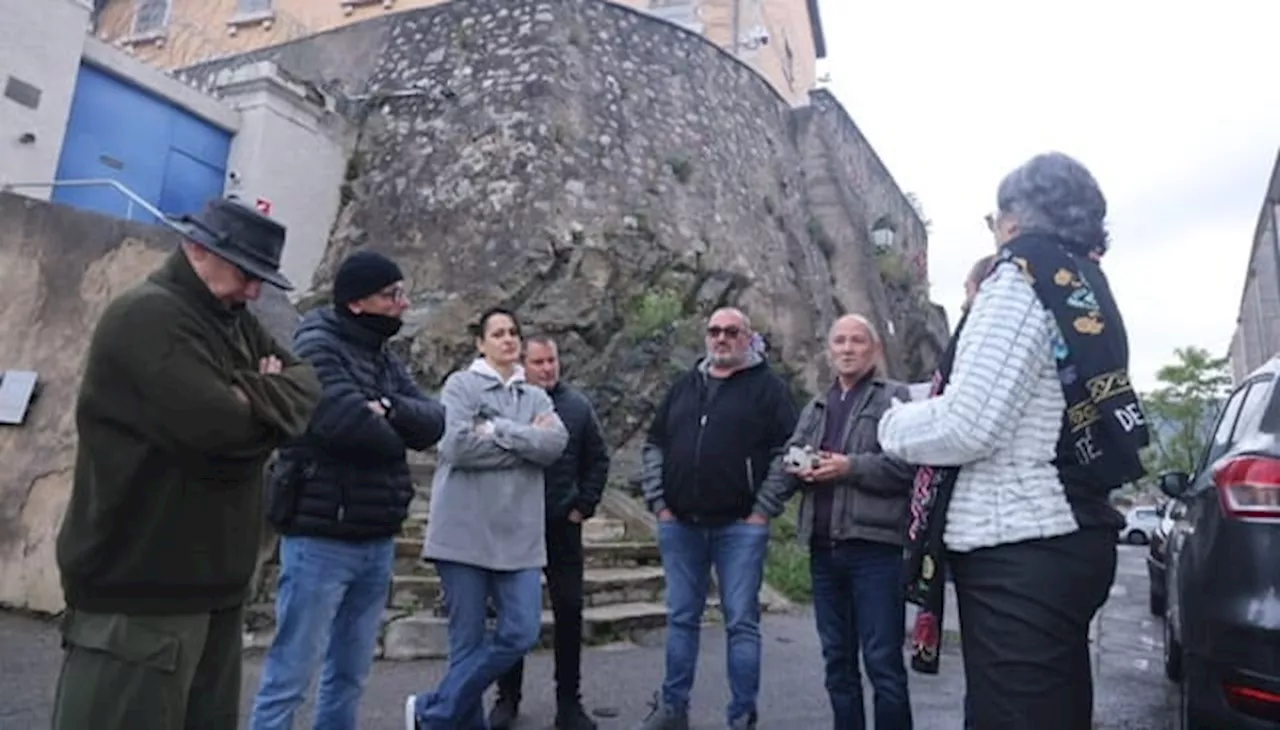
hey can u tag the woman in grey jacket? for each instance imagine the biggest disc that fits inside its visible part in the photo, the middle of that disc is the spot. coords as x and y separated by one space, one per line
485 526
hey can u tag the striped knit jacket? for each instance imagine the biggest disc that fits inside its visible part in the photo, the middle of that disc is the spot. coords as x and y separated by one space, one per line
998 419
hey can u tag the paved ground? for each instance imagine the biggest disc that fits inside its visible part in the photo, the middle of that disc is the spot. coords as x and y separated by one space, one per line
1131 691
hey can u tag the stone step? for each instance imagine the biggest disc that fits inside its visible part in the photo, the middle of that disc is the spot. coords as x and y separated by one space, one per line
601 587
596 529
426 636
616 554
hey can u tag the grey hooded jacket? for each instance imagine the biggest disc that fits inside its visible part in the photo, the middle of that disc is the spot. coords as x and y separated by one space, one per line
488 496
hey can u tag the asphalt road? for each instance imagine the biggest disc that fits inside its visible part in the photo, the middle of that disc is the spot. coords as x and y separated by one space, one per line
1131 693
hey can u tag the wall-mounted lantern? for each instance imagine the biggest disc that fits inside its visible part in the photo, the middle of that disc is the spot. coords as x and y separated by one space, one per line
882 237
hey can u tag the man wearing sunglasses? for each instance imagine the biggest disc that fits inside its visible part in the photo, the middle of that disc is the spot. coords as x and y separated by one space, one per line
183 399
339 495
705 461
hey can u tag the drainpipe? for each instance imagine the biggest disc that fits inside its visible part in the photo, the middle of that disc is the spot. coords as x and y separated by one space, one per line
737 25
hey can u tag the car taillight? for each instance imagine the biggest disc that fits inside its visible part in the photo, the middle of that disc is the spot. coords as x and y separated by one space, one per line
1253 701
1249 487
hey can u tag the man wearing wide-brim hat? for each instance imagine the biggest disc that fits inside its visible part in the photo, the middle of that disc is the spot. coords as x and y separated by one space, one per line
184 397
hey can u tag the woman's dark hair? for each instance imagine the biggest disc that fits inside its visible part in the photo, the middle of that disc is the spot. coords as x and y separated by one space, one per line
478 329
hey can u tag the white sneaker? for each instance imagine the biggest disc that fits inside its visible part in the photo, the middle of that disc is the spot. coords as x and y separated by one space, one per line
411 713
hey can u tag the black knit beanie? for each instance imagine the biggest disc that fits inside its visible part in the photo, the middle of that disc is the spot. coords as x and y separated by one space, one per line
362 274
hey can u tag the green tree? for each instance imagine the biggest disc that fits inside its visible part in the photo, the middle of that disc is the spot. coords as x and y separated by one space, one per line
1180 412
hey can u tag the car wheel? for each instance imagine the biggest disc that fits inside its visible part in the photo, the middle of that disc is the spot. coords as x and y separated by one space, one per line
1156 602
1137 537
1186 717
1172 653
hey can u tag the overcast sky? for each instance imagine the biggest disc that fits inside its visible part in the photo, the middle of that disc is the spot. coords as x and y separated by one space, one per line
1176 113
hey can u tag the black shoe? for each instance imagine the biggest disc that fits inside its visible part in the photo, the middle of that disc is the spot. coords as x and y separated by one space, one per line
503 714
573 717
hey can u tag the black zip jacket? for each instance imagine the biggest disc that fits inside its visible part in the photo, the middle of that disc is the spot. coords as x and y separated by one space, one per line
347 478
709 449
577 479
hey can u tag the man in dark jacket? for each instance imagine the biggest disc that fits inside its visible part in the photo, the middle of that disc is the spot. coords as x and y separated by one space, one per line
575 484
853 520
705 462
339 496
184 397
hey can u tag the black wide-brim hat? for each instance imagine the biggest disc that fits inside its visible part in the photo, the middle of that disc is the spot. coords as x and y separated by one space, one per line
239 234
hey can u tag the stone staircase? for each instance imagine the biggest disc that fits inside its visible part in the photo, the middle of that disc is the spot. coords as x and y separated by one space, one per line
624 589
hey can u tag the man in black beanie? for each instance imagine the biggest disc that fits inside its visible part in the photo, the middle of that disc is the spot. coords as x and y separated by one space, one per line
339 495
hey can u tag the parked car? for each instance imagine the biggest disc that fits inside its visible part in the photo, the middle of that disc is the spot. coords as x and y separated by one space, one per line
1139 523
1222 626
1170 512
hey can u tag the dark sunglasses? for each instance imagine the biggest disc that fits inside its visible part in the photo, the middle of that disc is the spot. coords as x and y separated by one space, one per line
714 332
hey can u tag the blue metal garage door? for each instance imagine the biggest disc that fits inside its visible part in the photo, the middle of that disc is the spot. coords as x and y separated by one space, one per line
171 158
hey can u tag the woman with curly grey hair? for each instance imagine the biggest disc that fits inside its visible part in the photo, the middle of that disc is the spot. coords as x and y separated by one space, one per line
1031 424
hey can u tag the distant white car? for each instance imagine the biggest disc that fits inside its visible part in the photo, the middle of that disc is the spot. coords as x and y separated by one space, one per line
1140 525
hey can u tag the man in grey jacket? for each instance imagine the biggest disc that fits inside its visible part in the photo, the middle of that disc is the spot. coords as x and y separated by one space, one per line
853 515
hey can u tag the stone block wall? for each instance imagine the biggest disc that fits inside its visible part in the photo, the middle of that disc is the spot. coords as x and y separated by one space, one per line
610 176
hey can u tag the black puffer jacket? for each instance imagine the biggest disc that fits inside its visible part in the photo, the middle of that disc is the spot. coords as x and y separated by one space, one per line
347 477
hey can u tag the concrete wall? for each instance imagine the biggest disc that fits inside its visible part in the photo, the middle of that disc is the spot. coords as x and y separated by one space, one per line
40 47
292 151
58 268
1257 336
272 118
203 30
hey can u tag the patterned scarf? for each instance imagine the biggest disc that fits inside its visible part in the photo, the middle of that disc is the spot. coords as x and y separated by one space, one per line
1103 426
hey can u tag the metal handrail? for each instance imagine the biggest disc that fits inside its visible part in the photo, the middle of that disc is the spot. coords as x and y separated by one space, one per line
131 196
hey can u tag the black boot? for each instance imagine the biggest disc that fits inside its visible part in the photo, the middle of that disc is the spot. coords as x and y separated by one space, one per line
574 717
503 714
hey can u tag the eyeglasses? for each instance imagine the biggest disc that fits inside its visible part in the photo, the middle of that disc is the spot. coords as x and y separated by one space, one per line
715 331
395 294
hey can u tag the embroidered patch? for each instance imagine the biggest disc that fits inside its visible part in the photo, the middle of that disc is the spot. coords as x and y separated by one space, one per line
1068 375
1083 298
1025 267
1059 343
1108 385
1063 277
1089 325
1082 415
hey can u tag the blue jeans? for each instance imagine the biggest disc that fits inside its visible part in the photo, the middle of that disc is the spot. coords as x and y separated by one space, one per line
328 607
737 551
475 661
858 602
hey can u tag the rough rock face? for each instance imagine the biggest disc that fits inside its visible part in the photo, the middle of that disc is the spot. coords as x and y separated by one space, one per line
58 268
612 178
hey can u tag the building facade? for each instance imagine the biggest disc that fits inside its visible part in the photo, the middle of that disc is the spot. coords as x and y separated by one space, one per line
781 39
85 124
1257 335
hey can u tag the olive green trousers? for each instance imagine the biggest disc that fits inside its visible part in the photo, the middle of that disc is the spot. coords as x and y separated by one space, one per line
127 672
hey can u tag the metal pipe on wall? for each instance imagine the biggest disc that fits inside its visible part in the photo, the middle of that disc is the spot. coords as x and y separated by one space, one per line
737 25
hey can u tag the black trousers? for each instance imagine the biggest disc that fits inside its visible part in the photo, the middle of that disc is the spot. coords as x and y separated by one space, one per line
564 571
1025 610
